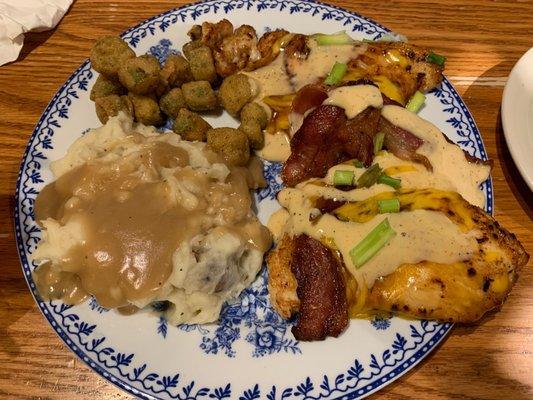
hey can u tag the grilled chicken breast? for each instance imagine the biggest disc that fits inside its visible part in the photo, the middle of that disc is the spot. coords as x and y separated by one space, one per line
458 292
398 68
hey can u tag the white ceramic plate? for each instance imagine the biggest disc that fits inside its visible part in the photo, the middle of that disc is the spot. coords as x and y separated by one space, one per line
517 115
251 353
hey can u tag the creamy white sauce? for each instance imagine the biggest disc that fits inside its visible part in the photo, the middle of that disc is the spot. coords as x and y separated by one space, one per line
355 99
320 60
272 79
412 175
448 161
277 147
421 235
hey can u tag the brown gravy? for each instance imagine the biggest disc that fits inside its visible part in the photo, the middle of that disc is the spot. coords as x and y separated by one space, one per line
133 221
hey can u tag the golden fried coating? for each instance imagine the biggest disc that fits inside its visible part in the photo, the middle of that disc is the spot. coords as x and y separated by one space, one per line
190 126
176 71
234 93
108 54
171 102
105 87
110 106
254 112
253 130
199 96
140 75
202 64
232 144
146 109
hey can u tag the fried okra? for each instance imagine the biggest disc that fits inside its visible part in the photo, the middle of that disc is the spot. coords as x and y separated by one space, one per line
190 126
108 54
110 106
140 75
105 87
253 120
254 112
146 109
199 96
202 64
176 71
254 132
190 46
234 93
231 144
160 89
171 102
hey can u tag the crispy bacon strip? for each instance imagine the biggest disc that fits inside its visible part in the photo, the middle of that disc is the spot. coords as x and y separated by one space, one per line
357 136
326 139
308 97
321 290
402 144
312 149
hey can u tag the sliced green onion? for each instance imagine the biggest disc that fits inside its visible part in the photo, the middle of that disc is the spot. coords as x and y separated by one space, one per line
389 205
358 164
372 243
336 74
336 38
370 176
343 178
388 180
435 59
416 102
368 40
378 142
387 38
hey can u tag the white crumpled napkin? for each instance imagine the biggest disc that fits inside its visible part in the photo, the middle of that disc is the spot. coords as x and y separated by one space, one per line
20 16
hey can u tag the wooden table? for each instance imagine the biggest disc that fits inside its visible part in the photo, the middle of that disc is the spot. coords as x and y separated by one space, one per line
483 40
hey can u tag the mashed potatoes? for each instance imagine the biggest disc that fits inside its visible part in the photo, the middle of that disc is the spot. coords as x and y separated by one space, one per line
137 216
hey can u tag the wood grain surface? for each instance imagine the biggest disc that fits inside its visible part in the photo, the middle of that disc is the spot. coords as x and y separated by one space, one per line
482 40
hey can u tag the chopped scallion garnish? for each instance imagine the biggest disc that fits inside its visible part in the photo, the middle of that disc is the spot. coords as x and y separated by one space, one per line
416 102
372 243
378 142
436 59
343 178
370 176
336 74
387 38
389 205
358 164
335 38
388 180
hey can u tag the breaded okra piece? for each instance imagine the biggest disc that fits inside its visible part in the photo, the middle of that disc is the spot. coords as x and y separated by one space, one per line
176 71
140 75
108 54
234 93
105 87
231 144
199 96
110 106
171 102
146 110
190 126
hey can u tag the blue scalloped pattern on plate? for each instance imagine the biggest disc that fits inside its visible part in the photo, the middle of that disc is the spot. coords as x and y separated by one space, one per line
266 334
